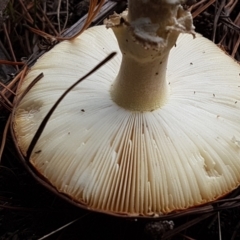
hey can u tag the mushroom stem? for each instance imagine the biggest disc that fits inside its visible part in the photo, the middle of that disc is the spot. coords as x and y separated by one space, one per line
146 33
141 82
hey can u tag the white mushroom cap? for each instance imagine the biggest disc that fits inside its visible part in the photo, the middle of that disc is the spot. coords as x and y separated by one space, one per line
184 154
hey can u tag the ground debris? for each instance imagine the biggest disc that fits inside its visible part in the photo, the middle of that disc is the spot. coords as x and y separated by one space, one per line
157 229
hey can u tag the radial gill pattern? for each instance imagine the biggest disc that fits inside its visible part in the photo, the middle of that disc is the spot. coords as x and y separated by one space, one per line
135 163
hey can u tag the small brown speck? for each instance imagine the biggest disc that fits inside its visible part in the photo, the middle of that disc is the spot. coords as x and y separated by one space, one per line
82 110
218 116
236 102
191 63
38 151
194 92
169 83
213 94
160 62
156 73
126 40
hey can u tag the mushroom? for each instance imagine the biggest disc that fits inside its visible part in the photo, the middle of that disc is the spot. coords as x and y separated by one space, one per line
153 131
